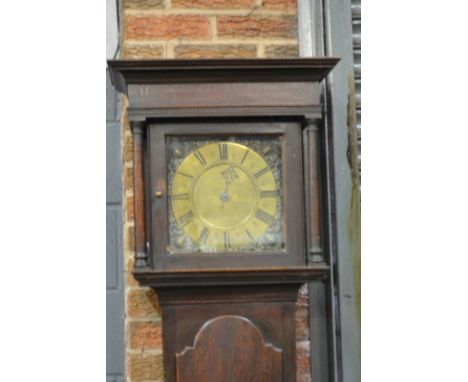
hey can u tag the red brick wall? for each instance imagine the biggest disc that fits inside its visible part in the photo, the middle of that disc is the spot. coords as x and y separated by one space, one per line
209 28
194 29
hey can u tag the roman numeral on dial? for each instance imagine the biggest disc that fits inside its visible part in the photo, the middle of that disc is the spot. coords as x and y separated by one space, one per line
200 157
180 197
268 194
245 156
204 235
184 174
250 235
223 151
227 240
186 218
263 171
264 216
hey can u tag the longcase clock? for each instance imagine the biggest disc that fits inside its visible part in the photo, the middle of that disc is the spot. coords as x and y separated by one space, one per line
228 209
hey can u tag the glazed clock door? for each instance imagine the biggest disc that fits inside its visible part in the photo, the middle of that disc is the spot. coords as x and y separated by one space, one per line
224 193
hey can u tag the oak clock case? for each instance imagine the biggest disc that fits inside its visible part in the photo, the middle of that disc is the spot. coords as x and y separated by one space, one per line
229 170
224 198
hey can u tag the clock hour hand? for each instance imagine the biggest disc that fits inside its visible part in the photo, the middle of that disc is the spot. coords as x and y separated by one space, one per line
229 175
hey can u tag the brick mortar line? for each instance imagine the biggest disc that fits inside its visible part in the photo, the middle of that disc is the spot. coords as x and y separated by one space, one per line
142 320
154 319
147 43
213 28
220 40
209 12
133 288
146 351
137 287
156 44
170 47
261 50
136 321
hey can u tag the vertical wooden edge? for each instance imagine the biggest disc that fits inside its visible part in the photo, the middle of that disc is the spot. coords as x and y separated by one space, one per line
329 227
169 330
315 194
141 251
314 36
290 363
158 178
294 198
147 196
312 178
319 324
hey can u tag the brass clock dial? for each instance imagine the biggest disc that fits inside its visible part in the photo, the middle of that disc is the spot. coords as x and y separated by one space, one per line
224 196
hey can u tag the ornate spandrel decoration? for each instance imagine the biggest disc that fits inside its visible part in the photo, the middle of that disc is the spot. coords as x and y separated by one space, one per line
229 348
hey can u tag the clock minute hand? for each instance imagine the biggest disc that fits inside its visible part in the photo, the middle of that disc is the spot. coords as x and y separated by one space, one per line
224 196
229 175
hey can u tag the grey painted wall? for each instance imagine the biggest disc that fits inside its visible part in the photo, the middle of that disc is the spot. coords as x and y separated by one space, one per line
115 350
115 309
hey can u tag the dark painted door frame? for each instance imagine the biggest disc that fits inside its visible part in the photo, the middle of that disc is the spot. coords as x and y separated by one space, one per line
115 288
325 29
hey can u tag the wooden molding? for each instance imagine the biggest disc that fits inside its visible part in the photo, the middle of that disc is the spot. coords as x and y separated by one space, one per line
125 72
212 277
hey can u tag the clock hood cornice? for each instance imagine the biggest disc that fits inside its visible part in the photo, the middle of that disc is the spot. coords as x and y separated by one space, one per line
126 72
213 88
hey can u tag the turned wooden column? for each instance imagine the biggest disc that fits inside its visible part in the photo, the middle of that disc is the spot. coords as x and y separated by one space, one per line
313 181
141 247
